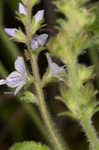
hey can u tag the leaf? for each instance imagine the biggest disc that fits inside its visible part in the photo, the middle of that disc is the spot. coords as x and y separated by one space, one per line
70 114
29 146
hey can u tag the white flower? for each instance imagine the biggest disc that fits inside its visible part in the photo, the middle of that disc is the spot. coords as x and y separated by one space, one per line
39 41
17 79
39 16
54 68
11 31
22 9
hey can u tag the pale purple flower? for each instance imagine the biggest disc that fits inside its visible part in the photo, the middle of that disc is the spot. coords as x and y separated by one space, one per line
34 44
17 79
11 31
54 68
22 9
39 41
39 16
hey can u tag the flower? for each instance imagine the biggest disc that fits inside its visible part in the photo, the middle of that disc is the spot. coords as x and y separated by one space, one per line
11 31
39 41
39 16
54 68
17 79
22 9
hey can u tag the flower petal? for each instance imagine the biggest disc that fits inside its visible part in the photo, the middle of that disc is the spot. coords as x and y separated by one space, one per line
14 79
19 88
20 66
54 68
22 9
39 16
34 44
42 39
2 82
11 31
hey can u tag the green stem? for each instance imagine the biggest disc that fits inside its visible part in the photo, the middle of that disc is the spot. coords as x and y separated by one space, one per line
83 116
54 138
90 131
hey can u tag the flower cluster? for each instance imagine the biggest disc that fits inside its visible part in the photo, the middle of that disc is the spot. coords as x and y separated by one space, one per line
17 79
38 40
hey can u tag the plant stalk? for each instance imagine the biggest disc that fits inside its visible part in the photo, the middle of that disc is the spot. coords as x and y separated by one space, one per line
54 138
89 131
85 120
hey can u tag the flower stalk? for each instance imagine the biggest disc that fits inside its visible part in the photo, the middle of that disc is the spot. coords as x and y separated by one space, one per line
54 138
89 131
82 114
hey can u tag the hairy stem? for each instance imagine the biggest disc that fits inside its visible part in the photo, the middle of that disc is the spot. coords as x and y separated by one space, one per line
54 138
83 115
89 130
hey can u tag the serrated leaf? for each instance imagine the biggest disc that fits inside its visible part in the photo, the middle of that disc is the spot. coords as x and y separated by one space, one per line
29 146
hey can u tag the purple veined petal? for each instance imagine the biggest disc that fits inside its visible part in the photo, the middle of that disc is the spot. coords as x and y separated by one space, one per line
19 88
14 79
39 16
34 44
22 9
42 39
2 82
11 31
20 66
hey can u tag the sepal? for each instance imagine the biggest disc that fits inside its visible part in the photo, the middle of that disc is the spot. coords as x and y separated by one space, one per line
20 36
37 26
22 18
29 97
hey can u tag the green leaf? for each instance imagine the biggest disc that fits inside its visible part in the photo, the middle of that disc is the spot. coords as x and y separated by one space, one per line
29 146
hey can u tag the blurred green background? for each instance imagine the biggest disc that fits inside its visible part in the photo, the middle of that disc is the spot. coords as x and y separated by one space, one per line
22 122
